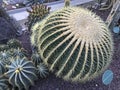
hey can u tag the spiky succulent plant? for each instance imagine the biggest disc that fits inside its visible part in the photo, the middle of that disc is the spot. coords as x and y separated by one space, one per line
42 70
36 58
3 83
75 44
5 57
37 13
3 47
2 68
14 43
18 52
21 73
34 36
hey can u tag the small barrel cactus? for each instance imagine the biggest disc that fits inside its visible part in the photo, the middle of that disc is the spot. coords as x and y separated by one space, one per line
14 43
42 70
37 13
36 58
75 44
19 52
3 47
21 73
5 57
3 83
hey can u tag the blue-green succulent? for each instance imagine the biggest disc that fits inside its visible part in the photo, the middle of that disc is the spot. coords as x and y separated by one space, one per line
21 73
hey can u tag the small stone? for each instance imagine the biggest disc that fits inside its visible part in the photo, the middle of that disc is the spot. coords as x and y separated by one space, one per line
96 85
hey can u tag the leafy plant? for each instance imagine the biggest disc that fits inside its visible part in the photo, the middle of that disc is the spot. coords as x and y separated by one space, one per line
74 43
21 73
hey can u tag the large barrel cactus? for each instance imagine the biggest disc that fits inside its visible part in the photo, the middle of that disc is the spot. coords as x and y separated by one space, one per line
74 43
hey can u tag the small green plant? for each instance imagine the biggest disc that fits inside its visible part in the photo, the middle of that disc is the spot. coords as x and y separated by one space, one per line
42 70
18 52
74 43
21 73
37 13
5 57
14 43
36 59
3 47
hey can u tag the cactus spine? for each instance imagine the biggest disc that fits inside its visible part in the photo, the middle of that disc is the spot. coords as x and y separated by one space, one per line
75 44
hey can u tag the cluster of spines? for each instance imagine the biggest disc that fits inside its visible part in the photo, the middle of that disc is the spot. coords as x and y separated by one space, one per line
75 44
14 43
37 13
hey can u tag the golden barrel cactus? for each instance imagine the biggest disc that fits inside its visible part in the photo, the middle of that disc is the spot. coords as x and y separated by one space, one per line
75 43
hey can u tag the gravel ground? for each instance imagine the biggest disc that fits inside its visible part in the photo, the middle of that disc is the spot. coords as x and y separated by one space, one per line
54 83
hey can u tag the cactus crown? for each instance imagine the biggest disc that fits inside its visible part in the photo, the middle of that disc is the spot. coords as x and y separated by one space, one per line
75 43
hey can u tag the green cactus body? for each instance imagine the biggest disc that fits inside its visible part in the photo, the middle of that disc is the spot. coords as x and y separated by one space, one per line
34 36
37 13
42 70
14 43
36 58
18 52
5 57
75 44
21 73
3 83
3 47
2 68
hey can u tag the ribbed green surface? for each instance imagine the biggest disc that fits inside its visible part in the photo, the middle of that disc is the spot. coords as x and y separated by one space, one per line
3 83
75 44
21 73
